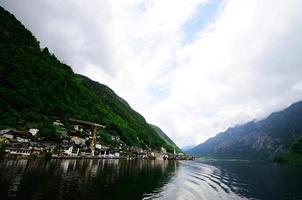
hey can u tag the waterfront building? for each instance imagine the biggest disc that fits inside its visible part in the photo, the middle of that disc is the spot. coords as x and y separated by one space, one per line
18 151
33 131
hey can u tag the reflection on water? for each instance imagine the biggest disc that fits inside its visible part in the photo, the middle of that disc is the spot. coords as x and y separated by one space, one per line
82 179
142 179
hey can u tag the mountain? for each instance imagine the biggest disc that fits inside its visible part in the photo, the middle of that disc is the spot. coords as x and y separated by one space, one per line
256 140
187 148
294 154
36 88
163 136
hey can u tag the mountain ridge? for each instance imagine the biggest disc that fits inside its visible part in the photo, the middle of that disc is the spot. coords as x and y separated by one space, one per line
256 140
35 87
164 136
187 148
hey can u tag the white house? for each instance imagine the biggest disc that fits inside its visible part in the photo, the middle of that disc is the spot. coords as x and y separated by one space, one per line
98 146
71 151
19 139
33 131
8 136
5 131
78 128
68 151
163 150
57 123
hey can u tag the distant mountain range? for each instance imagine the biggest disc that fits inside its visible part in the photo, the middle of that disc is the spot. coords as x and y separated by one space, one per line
256 140
187 148
36 88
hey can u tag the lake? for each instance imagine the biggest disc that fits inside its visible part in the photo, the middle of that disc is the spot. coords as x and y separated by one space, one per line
148 179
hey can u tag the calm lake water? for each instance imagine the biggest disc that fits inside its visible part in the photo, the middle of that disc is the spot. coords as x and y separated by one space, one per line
142 179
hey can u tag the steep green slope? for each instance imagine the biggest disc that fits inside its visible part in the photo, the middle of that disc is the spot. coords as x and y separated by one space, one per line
165 137
294 155
37 88
256 140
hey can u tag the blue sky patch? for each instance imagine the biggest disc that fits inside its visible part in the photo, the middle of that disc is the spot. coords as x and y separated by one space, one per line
204 15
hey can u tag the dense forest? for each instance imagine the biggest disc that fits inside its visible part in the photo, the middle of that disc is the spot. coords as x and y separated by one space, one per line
294 154
36 89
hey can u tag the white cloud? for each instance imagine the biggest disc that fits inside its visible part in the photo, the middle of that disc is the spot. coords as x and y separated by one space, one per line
245 64
242 67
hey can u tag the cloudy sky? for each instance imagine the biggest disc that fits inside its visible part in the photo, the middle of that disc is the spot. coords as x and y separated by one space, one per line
193 67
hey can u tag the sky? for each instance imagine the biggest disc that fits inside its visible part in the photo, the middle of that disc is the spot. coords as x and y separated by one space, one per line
192 67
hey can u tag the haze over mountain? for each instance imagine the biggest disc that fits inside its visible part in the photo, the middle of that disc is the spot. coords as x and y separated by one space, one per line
186 148
264 139
37 88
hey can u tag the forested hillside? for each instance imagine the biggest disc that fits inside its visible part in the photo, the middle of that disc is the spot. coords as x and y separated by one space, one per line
36 88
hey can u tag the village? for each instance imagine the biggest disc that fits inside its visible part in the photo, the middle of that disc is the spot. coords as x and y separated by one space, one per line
80 142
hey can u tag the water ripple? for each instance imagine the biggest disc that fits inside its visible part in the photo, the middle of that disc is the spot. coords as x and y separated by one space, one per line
141 179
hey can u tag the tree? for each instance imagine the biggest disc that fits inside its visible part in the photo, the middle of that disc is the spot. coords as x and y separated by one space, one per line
49 130
297 146
2 145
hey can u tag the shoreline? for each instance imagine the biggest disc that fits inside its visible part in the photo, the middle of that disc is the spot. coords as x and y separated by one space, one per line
43 157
